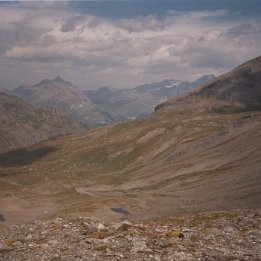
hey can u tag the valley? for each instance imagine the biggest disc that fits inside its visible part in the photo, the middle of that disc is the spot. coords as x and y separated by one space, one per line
159 166
130 130
176 161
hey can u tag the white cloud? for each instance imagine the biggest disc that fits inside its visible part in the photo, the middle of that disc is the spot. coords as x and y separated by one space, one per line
93 51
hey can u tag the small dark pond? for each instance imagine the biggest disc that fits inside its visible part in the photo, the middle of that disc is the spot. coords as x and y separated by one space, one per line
120 210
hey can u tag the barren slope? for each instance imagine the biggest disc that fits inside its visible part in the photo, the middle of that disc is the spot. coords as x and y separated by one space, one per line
235 91
23 124
176 161
159 166
65 97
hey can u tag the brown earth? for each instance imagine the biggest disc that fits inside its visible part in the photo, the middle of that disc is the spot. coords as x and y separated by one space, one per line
177 161
232 235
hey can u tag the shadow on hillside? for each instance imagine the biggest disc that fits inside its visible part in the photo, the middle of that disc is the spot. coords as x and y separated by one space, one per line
24 156
2 218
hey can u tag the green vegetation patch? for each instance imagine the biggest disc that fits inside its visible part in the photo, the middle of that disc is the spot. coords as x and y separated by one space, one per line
24 156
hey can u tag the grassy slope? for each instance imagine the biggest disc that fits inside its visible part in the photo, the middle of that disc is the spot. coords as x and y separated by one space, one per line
165 164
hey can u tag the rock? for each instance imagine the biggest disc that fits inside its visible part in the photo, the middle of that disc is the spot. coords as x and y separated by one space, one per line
165 244
139 245
58 220
175 234
53 242
100 226
125 225
88 241
29 237
89 230
149 240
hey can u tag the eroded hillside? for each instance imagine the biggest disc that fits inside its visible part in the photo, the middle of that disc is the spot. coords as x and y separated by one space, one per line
23 124
158 166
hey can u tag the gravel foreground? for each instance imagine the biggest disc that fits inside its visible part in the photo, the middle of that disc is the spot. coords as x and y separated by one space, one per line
232 235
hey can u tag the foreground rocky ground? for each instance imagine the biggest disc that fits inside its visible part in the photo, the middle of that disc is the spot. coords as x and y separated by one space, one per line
233 235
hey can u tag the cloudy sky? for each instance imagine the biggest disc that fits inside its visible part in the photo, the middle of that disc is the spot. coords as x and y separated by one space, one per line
125 43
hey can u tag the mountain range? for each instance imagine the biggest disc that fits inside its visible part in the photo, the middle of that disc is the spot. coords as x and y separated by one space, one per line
197 152
66 97
235 91
135 103
104 105
24 124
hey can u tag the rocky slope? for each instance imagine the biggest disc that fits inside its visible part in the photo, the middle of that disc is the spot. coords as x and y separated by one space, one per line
65 97
140 101
233 235
23 124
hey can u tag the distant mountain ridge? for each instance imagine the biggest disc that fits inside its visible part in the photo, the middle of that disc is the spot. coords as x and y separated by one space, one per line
64 96
140 101
235 91
4 90
23 124
104 105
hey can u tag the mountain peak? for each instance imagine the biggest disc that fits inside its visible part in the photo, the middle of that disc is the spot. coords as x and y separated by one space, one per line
58 78
48 81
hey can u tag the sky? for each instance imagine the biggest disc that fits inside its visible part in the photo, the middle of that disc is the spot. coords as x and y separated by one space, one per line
124 43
